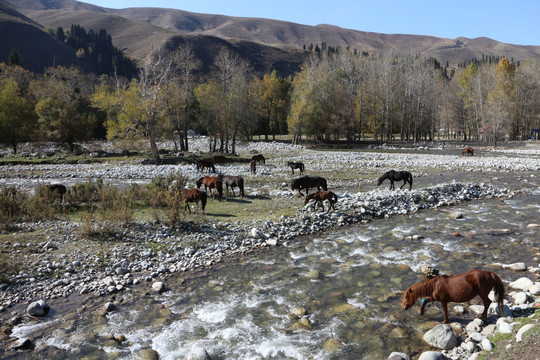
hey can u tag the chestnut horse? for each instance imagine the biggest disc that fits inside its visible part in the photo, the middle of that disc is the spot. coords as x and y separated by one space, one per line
232 182
306 182
296 165
58 189
468 151
253 166
457 288
211 182
393 175
194 195
219 159
205 163
259 158
320 196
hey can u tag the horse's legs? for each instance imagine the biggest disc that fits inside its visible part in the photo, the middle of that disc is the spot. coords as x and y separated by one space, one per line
444 305
188 207
423 307
487 302
404 182
391 184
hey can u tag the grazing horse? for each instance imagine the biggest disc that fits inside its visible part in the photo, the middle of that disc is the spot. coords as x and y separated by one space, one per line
259 157
306 182
205 163
58 189
219 159
211 182
194 195
320 196
468 151
232 182
296 165
392 175
253 166
457 288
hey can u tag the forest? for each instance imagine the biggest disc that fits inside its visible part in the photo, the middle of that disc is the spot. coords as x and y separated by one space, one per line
338 95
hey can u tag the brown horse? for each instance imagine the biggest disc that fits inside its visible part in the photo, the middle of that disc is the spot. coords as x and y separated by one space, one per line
306 182
320 196
259 158
468 151
253 166
393 175
205 163
457 288
232 182
211 182
296 165
58 189
219 159
194 195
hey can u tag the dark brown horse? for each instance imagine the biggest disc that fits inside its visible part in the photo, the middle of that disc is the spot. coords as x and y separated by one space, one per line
306 182
320 196
457 288
253 166
58 189
232 182
219 159
205 163
393 175
211 182
194 196
259 158
468 151
296 165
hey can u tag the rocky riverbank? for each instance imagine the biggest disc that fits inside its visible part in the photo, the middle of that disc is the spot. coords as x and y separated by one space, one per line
61 264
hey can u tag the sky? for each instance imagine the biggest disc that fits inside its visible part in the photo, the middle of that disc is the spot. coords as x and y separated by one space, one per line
513 22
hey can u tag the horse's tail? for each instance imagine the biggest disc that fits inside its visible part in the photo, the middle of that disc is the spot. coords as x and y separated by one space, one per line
498 287
324 184
411 179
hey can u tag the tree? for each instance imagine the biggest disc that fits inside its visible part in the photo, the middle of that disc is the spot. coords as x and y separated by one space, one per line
181 102
17 116
64 108
137 109
502 100
14 58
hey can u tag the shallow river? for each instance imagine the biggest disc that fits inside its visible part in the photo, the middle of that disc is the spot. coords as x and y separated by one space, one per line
332 296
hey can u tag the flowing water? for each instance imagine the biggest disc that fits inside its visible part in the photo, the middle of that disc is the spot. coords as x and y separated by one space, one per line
330 296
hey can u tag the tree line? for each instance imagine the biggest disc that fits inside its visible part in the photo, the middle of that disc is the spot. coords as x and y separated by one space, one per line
338 95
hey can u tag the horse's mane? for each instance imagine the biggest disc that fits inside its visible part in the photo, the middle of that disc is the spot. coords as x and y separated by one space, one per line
425 288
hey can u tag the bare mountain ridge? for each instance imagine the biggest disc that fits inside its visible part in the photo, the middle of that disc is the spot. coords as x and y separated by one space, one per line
140 31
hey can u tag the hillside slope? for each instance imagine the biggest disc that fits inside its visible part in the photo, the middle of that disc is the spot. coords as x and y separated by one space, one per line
36 48
141 31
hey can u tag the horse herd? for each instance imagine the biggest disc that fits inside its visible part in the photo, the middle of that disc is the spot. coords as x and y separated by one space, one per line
217 183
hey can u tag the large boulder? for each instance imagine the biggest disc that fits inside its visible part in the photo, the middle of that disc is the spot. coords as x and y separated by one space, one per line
441 337
38 308
522 283
198 353
432 355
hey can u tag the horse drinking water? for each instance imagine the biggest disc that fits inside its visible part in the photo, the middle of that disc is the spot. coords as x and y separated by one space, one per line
393 175
320 196
306 182
457 288
296 165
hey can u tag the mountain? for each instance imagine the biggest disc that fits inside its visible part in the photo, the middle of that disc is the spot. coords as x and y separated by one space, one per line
269 44
36 48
